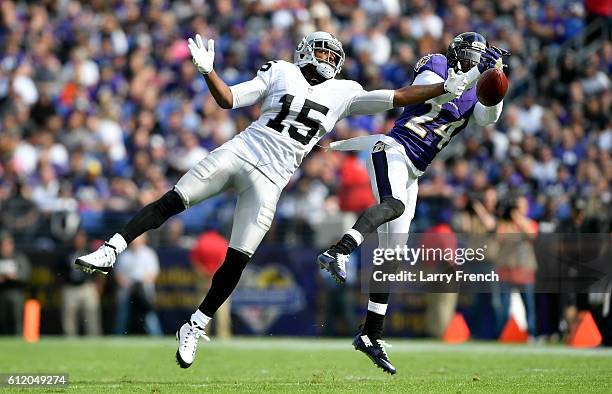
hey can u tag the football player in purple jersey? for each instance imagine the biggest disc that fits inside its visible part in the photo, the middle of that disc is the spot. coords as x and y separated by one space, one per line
405 152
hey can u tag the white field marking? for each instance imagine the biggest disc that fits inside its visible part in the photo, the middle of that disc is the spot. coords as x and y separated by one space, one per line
216 384
304 344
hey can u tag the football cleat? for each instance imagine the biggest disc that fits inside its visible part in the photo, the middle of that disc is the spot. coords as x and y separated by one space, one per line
335 263
375 350
101 260
188 336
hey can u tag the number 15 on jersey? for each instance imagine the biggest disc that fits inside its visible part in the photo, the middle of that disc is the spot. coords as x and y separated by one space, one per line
310 123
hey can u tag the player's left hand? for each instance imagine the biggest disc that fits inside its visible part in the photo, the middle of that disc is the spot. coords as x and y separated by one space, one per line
202 58
455 83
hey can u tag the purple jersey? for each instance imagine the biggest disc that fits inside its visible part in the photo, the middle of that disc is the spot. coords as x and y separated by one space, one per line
424 129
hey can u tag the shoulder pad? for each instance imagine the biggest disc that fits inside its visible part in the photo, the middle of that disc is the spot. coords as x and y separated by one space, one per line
349 84
436 63
266 66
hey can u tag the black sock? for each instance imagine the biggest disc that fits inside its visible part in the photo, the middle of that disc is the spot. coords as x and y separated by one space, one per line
373 326
224 281
346 245
153 215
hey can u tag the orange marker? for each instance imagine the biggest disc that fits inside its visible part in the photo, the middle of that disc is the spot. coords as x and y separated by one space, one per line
586 333
457 331
31 321
512 333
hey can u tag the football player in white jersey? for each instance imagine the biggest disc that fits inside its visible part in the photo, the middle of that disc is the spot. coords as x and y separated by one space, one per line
301 102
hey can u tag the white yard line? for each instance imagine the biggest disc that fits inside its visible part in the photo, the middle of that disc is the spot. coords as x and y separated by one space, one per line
304 344
414 346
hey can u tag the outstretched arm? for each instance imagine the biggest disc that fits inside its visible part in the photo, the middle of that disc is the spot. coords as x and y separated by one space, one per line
415 94
431 78
203 60
428 88
369 103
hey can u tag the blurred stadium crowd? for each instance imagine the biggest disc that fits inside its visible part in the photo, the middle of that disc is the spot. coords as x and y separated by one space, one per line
101 110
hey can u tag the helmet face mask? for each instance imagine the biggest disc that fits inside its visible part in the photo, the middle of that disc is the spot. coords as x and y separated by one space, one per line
320 41
468 58
465 50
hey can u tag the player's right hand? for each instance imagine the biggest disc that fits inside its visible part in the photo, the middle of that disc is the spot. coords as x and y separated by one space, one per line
492 58
455 83
202 58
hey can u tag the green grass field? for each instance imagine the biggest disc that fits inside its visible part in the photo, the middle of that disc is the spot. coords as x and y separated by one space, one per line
288 365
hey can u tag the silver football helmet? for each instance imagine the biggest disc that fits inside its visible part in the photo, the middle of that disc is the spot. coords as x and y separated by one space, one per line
320 40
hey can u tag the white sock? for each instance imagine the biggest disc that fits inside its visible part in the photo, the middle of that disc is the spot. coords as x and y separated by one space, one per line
356 235
377 308
200 319
118 242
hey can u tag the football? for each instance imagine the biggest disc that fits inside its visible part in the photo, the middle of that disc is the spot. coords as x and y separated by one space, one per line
492 87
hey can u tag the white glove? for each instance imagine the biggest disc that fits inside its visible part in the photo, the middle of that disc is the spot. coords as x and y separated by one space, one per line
499 64
202 58
455 83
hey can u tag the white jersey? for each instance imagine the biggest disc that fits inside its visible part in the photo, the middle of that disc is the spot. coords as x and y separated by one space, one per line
294 116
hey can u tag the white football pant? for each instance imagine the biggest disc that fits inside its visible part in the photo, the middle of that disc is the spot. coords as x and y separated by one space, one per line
392 174
257 195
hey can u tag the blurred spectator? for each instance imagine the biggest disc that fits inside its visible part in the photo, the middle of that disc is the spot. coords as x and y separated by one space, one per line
19 213
379 8
595 81
478 222
599 12
530 116
426 22
338 304
516 260
14 276
578 222
207 255
80 294
440 305
188 154
354 192
92 189
135 272
46 189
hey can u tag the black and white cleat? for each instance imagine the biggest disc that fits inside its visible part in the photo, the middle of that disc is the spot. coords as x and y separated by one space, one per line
375 350
187 336
334 263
